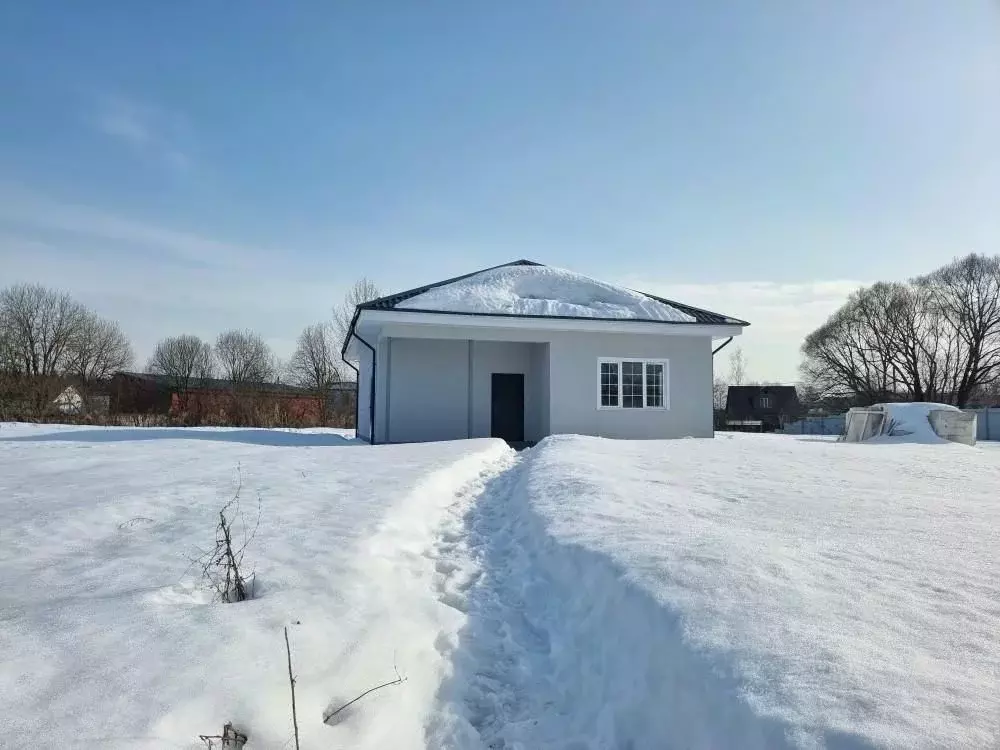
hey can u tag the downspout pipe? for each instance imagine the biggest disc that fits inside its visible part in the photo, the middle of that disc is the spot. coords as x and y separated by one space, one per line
371 391
357 379
721 346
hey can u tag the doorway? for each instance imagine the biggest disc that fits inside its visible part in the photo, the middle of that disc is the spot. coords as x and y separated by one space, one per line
507 406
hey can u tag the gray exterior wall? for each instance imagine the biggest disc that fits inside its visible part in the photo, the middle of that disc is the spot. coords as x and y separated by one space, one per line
537 416
364 394
574 373
488 357
428 394
434 382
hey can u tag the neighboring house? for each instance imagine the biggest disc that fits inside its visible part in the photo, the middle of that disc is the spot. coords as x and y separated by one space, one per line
521 351
69 401
146 393
763 408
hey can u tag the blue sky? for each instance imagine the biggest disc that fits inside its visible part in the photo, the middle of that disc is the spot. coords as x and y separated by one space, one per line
189 167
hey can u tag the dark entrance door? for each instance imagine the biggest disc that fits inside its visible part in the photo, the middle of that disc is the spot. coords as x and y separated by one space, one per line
507 407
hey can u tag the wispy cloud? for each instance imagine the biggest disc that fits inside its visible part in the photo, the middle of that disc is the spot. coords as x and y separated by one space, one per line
149 131
781 315
159 280
28 210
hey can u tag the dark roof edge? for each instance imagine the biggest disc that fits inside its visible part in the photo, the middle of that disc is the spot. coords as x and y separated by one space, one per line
721 322
691 309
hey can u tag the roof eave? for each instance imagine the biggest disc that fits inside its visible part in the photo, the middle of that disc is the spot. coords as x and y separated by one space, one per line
553 322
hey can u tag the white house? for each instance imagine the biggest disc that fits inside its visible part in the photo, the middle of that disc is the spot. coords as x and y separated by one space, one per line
69 401
522 350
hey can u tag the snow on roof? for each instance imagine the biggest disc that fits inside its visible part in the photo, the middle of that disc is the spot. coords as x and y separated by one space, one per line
533 290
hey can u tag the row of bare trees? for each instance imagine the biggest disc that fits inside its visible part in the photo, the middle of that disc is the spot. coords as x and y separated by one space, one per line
48 338
934 338
243 357
48 333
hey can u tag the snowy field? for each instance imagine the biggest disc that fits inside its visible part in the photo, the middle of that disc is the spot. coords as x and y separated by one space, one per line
745 592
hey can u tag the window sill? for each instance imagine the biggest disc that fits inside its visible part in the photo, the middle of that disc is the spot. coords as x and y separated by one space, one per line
644 408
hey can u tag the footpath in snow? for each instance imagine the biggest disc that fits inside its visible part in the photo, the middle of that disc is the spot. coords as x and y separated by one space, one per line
744 592
750 592
108 639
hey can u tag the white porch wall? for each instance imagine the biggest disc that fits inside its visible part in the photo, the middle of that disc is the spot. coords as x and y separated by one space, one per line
540 388
364 393
428 393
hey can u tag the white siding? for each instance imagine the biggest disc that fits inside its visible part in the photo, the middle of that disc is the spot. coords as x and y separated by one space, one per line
427 395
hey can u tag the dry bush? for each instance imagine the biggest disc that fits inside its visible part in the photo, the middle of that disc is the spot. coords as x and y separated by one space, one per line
222 566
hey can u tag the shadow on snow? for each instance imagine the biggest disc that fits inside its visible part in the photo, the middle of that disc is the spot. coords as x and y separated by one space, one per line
248 436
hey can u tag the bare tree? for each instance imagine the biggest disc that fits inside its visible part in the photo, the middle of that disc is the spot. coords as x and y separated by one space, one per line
720 389
10 363
98 349
362 291
181 359
966 293
737 366
314 363
245 358
934 339
39 323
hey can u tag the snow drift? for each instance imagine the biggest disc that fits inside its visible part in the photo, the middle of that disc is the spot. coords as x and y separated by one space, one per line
542 291
109 640
751 592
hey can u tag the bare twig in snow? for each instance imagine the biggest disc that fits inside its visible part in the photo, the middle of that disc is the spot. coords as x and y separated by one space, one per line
291 682
398 681
230 739
223 566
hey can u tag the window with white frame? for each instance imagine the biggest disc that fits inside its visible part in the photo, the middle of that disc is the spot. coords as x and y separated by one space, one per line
633 383
765 402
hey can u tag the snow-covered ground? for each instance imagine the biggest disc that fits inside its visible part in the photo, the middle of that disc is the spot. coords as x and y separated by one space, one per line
745 592
108 639
751 591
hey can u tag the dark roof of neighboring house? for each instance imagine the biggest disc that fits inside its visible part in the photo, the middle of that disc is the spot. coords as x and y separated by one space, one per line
744 400
389 302
220 384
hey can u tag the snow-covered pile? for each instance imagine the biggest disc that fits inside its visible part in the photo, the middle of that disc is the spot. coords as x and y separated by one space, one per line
912 420
541 290
752 592
109 640
906 422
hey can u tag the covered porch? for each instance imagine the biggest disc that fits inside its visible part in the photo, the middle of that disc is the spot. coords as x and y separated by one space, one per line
450 389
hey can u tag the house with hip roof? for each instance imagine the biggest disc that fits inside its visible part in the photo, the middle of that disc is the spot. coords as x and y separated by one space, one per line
522 350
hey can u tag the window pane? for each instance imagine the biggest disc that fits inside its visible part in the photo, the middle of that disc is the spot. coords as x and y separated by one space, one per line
632 385
654 384
609 384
